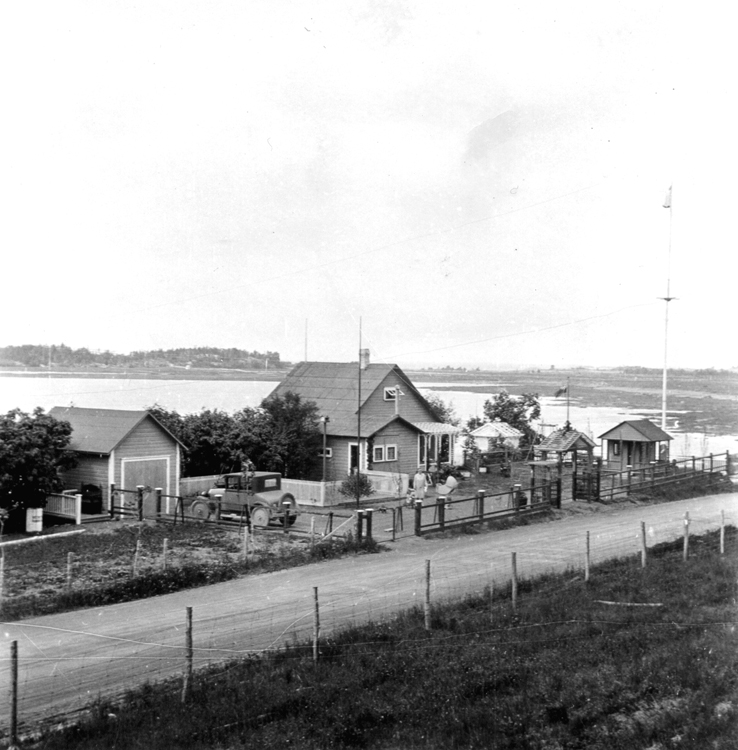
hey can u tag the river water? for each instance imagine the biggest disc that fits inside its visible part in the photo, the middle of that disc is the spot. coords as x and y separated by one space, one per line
187 396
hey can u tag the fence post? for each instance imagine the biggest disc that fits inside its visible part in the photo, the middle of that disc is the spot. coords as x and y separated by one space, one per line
135 557
14 694
158 492
418 516
70 563
586 561
629 469
653 477
644 548
246 543
140 501
164 552
2 577
480 505
598 480
711 463
427 606
514 561
312 531
111 502
330 521
218 501
369 512
686 536
316 626
694 465
78 509
187 682
722 532
728 464
441 506
359 526
286 506
612 487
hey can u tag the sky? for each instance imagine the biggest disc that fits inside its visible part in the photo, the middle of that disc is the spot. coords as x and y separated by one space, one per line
445 184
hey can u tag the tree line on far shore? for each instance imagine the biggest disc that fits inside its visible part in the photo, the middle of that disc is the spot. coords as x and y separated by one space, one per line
38 355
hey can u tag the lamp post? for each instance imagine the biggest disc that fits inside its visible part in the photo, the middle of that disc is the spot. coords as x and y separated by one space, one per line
325 421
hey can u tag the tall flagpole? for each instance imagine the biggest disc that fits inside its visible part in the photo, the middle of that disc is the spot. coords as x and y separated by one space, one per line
668 298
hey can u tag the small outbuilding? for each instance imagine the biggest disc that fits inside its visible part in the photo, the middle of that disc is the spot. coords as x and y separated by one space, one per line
125 448
635 443
496 434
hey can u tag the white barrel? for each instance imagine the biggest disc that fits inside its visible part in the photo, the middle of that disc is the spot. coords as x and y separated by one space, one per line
34 520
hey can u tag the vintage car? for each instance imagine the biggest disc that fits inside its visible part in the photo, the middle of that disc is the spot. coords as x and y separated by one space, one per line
255 495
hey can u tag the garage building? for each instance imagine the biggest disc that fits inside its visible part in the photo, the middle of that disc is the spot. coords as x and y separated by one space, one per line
125 448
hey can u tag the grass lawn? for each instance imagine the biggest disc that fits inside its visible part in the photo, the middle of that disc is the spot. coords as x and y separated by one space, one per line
578 665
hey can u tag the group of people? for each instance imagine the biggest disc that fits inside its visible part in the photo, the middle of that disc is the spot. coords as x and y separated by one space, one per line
424 479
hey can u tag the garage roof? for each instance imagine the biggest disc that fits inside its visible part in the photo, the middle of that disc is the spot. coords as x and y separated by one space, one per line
101 430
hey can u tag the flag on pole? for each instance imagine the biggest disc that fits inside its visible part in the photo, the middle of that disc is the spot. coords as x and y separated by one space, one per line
560 392
667 200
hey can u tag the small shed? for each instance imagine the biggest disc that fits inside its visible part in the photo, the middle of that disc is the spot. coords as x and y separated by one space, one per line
635 443
496 434
125 448
576 449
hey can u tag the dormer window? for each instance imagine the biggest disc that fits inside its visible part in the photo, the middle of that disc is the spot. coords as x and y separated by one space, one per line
390 393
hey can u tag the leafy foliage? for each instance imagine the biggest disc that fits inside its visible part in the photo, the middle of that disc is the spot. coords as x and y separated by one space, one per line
292 435
356 486
37 355
33 449
519 412
283 435
441 410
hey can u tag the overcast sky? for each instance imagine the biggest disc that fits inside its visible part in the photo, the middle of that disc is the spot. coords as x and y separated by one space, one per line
477 183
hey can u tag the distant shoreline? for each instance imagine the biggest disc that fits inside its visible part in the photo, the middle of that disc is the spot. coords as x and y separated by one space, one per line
117 373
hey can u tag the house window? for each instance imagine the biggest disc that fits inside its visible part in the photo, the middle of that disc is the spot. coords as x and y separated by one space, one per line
384 453
328 453
390 393
616 449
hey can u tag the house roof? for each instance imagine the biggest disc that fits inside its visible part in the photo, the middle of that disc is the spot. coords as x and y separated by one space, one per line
496 429
334 387
102 430
636 430
563 441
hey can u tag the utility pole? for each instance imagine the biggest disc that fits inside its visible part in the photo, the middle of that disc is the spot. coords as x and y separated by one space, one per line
668 298
358 430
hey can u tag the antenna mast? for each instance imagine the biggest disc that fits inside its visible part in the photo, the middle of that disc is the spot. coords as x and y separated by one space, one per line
668 298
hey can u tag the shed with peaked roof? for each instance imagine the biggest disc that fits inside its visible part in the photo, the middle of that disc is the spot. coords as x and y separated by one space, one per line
635 443
496 434
125 448
374 416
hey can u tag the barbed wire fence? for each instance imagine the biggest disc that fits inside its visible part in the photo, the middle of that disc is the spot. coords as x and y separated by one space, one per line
65 663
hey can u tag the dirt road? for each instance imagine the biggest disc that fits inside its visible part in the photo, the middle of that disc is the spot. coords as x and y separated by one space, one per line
66 661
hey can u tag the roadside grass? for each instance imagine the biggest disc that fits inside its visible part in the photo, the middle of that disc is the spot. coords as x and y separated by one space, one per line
35 575
573 667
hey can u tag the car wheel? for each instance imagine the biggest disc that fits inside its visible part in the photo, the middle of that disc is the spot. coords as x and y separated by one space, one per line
200 510
260 517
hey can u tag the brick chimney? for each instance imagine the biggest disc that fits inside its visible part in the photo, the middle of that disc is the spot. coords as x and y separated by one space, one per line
363 358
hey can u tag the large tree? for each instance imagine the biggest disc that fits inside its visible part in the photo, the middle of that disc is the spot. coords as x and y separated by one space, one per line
519 412
33 450
293 434
443 411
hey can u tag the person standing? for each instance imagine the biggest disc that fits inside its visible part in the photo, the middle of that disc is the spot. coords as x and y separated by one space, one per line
420 485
